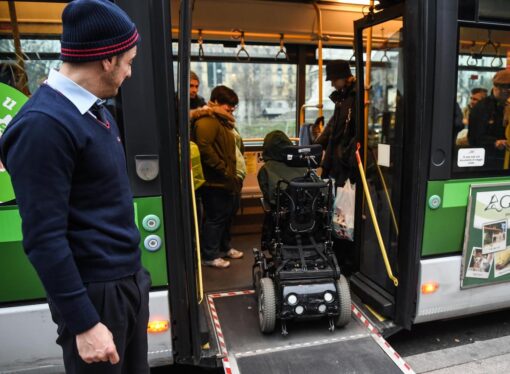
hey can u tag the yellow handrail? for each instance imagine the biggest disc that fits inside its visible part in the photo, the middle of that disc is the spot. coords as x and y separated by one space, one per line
374 218
383 180
197 240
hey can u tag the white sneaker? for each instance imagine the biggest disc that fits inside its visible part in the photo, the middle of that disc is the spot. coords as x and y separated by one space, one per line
217 263
235 254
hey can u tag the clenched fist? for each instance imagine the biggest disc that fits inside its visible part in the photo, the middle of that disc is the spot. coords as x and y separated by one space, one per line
96 345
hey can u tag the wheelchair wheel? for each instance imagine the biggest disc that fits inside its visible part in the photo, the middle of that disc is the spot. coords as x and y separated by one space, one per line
267 305
344 300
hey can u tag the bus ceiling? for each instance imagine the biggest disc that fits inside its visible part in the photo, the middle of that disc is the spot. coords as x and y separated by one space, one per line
261 20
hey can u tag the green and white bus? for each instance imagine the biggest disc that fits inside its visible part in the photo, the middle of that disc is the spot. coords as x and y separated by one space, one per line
441 211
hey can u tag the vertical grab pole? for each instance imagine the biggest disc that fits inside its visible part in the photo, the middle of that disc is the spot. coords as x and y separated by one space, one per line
367 90
319 52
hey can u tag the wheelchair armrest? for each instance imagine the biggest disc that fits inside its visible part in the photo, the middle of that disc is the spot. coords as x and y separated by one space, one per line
265 205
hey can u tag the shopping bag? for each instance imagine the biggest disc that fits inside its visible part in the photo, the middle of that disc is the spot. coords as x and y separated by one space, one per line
343 213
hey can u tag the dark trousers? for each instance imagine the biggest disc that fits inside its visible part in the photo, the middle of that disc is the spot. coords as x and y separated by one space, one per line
225 244
218 205
123 306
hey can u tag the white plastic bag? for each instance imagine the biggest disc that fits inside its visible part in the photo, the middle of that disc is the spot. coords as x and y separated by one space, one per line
343 214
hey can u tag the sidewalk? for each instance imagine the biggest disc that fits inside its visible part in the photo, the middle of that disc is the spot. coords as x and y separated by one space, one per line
485 356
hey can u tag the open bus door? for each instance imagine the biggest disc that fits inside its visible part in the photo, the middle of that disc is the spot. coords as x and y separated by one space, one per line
393 69
154 95
380 92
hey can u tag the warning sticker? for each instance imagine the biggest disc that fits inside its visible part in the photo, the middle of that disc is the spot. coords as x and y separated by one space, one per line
470 157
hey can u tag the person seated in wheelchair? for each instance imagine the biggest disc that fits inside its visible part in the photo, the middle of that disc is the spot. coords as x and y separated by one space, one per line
300 277
283 163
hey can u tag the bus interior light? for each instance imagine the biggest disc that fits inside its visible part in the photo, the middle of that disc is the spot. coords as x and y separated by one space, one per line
158 326
429 287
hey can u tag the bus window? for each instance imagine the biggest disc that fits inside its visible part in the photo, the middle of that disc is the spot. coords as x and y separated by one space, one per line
267 91
479 125
40 56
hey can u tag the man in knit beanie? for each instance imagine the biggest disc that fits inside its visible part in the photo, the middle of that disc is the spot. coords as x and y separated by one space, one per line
65 156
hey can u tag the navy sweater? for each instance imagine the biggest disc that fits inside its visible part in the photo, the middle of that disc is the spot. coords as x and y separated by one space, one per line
69 175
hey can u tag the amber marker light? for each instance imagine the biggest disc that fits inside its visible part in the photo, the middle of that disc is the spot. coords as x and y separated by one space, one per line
157 326
429 287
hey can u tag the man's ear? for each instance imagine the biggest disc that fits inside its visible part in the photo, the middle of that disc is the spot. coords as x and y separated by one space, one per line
108 63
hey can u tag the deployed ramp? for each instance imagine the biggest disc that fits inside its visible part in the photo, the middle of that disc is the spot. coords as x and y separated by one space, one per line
308 348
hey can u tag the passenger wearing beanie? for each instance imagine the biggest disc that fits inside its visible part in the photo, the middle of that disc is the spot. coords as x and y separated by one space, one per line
338 136
65 156
488 123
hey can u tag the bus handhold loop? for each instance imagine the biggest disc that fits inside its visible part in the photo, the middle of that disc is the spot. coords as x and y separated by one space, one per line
282 50
374 217
384 57
488 43
497 60
473 56
242 51
201 53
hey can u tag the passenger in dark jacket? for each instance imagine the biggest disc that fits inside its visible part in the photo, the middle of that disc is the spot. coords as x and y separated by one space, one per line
487 125
213 130
338 137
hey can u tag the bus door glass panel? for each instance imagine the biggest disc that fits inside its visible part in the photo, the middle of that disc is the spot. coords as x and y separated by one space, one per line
383 161
481 137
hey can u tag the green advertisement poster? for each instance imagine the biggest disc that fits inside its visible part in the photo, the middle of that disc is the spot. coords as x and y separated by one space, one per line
486 254
11 100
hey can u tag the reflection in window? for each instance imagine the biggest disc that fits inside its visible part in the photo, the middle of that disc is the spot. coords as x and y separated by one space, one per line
37 70
480 134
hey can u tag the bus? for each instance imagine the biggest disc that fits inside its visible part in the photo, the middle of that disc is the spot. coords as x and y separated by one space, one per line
440 249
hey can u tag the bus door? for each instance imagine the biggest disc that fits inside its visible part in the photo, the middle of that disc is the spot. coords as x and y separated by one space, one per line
380 128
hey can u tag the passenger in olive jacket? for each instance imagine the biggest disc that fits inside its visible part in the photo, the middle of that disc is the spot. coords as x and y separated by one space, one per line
213 130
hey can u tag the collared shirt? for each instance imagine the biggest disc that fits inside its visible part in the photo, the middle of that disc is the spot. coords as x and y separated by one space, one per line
79 96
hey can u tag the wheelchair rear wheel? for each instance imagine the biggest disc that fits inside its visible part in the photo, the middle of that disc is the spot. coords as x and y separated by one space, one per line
267 305
344 302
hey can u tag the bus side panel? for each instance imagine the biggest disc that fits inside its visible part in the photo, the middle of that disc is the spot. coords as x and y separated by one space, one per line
153 260
444 227
18 277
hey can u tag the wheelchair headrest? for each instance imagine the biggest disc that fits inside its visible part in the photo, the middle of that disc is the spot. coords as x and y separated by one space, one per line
303 156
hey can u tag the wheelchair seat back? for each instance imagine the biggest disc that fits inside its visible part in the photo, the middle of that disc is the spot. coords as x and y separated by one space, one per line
306 202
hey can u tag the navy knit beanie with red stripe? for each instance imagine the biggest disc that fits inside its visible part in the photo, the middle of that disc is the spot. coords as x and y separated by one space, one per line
94 30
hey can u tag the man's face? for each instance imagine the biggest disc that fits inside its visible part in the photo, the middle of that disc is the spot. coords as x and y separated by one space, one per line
338 83
475 98
118 71
193 88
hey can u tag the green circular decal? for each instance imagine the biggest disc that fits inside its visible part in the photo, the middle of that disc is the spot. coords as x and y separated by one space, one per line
11 101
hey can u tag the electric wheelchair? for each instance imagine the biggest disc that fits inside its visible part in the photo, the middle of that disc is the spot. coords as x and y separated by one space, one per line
296 274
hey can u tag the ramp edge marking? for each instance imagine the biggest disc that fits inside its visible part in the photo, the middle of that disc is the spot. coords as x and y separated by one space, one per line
385 346
299 345
217 326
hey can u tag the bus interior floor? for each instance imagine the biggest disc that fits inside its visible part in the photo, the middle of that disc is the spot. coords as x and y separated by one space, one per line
239 275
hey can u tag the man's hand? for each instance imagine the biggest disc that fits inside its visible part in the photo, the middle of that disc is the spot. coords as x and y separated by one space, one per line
96 345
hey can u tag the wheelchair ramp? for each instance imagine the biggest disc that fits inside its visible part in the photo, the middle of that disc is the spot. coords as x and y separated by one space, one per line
308 348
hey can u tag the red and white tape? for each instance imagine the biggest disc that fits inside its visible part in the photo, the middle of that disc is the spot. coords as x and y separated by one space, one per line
217 325
386 347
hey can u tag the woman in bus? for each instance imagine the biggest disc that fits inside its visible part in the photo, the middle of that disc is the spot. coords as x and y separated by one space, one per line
213 130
